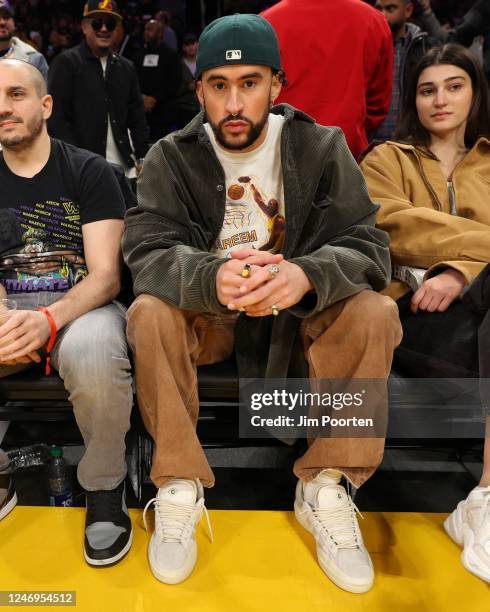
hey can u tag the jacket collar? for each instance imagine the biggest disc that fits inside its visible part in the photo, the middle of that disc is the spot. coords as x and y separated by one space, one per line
195 129
482 142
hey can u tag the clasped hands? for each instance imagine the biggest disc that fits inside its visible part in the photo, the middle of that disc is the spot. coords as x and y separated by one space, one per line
257 294
22 333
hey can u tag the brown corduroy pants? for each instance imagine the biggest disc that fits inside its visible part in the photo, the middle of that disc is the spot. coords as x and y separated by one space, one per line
168 343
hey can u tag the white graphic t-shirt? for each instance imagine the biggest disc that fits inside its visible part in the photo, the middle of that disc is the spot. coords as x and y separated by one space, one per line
254 215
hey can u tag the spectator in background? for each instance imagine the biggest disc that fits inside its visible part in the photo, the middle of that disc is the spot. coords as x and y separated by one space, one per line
338 58
12 47
96 94
36 40
476 22
169 35
189 53
187 105
410 44
159 73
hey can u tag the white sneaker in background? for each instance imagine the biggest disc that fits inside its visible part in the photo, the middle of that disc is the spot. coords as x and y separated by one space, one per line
172 551
469 527
324 508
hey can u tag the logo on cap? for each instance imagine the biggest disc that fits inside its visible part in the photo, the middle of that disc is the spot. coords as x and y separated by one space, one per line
233 54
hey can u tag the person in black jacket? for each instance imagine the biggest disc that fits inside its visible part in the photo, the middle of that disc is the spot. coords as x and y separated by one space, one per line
160 74
96 94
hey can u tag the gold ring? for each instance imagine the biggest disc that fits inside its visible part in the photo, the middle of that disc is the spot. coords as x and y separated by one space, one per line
274 271
274 310
245 273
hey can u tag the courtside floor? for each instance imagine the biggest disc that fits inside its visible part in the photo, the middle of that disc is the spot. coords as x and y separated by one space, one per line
260 560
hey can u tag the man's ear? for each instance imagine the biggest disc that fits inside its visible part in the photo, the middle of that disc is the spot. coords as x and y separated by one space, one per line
276 86
47 106
199 92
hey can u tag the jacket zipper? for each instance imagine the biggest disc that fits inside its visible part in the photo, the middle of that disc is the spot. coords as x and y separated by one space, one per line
427 183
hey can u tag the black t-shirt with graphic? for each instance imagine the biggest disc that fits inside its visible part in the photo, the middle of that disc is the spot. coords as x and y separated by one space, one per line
41 218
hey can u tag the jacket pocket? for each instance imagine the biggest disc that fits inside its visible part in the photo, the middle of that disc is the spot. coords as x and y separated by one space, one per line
322 200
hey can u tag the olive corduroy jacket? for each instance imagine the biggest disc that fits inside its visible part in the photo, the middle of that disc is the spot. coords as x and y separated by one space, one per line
329 232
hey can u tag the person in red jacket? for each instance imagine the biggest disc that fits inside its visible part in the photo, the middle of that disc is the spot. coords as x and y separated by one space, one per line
338 57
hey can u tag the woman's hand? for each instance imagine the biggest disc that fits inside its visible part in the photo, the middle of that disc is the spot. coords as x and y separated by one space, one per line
439 292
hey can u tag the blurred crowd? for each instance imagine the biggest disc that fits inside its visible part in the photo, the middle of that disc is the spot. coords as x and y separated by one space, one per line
162 44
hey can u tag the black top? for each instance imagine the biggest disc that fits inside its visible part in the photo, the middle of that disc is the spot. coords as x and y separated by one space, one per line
41 218
159 73
84 98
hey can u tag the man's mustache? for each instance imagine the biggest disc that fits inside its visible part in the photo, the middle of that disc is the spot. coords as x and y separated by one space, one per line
234 118
10 118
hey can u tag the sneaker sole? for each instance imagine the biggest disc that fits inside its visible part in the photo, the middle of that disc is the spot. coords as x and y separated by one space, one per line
451 527
111 560
337 577
9 506
469 560
179 575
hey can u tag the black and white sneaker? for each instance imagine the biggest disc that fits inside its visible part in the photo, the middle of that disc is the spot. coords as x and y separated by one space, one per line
8 497
108 531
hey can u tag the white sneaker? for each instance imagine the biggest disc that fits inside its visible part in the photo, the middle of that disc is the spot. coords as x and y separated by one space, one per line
469 526
323 507
172 551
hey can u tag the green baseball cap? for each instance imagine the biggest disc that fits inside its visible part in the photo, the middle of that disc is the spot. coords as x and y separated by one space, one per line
238 39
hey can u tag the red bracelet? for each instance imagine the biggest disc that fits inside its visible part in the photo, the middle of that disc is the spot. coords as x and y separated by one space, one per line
52 337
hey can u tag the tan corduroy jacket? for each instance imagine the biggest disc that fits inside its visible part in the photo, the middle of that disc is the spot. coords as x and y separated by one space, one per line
413 194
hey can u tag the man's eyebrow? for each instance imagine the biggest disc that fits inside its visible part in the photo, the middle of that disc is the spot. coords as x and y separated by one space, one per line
16 87
252 75
453 78
221 77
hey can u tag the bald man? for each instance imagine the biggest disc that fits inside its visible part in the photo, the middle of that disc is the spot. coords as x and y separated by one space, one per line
60 262
159 72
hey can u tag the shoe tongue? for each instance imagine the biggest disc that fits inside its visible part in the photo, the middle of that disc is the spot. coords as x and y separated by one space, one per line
178 491
330 497
324 480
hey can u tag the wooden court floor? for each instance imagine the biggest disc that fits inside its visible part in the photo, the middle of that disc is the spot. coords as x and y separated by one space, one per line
260 561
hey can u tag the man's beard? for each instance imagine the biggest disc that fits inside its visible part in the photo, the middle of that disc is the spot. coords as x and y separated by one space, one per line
4 37
20 142
396 27
253 134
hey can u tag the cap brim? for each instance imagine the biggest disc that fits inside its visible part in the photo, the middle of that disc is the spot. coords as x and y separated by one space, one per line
111 13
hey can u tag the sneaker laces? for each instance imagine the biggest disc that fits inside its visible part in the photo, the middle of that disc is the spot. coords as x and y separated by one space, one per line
339 523
171 520
104 506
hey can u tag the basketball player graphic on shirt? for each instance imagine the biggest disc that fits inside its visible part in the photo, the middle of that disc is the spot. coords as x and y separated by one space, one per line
238 212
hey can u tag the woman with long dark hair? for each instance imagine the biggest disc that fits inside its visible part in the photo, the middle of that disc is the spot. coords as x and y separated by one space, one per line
433 187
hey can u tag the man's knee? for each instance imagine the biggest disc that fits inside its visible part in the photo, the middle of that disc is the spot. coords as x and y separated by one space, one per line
147 308
94 348
151 319
374 309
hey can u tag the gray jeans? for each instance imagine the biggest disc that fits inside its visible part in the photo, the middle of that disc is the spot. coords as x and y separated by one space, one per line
91 356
